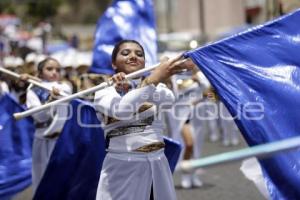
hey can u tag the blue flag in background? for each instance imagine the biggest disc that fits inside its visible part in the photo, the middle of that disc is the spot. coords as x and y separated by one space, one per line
257 75
74 168
172 151
15 148
124 19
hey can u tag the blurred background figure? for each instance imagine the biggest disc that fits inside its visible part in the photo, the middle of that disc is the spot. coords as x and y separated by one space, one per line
17 87
74 41
212 115
230 132
30 64
183 122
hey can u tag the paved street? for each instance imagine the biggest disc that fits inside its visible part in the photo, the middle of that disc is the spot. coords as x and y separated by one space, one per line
223 182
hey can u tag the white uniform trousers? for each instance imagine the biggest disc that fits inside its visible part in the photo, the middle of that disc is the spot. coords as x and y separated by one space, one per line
130 176
41 152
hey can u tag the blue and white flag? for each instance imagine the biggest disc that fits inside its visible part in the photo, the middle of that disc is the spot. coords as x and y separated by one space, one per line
124 19
15 148
74 168
257 75
75 163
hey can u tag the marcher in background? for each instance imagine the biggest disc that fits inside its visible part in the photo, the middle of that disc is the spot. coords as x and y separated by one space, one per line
182 119
3 86
69 77
17 87
50 122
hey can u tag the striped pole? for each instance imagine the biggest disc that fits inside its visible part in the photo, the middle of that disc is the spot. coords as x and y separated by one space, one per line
259 151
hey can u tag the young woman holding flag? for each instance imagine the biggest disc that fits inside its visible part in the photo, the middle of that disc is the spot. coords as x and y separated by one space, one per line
130 110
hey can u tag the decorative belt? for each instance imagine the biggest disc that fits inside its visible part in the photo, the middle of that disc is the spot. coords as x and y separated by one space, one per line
131 128
151 147
52 135
124 131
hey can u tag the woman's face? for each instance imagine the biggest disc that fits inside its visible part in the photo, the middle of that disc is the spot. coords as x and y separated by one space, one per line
51 71
130 58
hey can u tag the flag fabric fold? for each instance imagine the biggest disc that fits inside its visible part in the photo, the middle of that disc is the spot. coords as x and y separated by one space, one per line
172 151
74 167
124 19
15 148
257 75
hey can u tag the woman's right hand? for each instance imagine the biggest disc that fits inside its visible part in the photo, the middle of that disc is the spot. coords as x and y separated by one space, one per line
54 94
121 83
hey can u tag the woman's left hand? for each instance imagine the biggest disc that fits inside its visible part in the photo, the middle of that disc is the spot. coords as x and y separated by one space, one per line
169 67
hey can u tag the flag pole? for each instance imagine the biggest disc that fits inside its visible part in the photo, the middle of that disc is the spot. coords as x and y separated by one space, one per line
259 151
30 80
103 85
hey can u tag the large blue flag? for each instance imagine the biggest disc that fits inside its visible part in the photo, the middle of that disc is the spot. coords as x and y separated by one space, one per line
124 19
15 148
257 75
74 168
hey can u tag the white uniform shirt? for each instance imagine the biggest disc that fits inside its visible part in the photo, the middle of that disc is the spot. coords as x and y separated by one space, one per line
58 113
125 109
3 88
